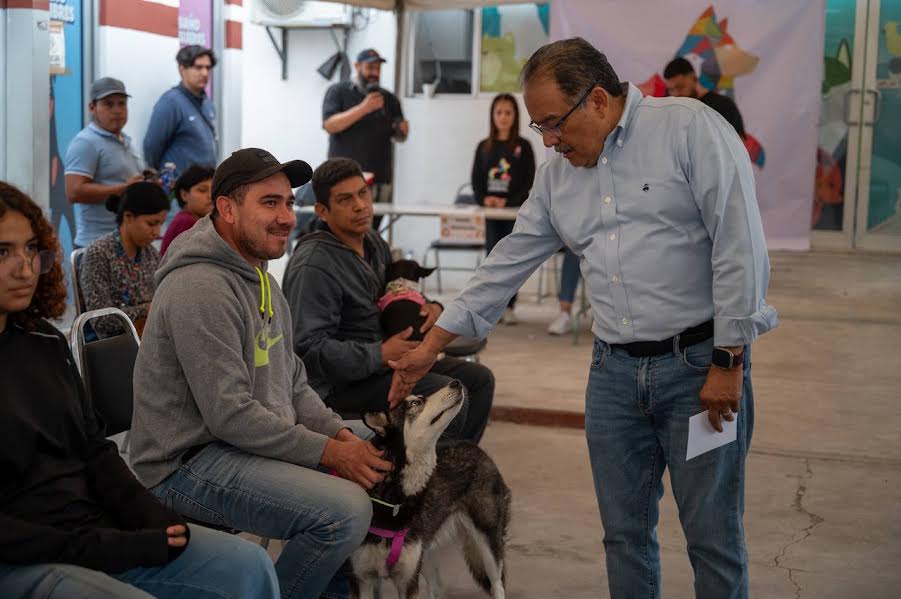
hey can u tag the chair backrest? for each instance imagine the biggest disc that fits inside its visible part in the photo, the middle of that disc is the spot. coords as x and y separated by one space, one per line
465 196
75 264
107 367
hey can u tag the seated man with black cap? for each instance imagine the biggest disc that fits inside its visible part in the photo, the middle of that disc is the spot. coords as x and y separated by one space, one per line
226 429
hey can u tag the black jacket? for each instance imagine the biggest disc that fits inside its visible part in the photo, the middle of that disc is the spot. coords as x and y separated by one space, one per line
65 494
333 294
503 171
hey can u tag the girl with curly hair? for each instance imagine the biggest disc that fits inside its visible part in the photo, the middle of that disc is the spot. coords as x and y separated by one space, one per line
74 521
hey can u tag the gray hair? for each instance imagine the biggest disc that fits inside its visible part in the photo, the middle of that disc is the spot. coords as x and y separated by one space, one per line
575 66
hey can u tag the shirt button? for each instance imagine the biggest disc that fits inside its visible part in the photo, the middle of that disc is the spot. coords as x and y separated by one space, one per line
619 142
608 199
612 236
615 279
625 321
603 161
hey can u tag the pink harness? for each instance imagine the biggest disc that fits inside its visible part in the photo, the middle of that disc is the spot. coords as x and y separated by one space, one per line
397 542
397 536
390 298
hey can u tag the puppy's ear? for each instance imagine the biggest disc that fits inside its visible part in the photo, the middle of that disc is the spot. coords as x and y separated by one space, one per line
424 272
377 422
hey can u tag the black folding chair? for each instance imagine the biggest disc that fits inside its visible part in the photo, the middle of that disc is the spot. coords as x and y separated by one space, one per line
107 367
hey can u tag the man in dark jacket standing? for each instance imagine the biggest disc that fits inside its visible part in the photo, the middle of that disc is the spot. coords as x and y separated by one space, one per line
333 284
182 127
362 119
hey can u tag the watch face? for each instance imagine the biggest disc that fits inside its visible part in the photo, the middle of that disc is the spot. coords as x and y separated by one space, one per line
722 358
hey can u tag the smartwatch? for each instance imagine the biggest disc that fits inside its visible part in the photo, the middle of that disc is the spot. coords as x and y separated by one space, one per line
723 358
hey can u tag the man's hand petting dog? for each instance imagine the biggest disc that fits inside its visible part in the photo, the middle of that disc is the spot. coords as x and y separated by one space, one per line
356 460
431 311
721 394
408 370
397 345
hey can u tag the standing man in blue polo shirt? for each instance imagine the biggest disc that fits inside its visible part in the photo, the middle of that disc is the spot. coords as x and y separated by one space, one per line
362 119
182 127
100 162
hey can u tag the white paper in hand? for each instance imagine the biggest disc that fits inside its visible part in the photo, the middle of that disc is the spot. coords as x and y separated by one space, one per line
702 437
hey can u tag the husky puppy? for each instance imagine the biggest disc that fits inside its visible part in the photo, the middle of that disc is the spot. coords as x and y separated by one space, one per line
435 495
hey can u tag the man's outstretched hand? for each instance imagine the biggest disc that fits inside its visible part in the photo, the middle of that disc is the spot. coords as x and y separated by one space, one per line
414 364
408 370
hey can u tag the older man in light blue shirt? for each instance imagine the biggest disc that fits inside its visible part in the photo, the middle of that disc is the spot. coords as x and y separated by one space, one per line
656 197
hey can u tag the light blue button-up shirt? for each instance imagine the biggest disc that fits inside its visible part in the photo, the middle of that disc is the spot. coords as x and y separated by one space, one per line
108 160
666 227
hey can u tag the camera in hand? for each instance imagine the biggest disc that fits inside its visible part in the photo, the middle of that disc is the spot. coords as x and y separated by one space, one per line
374 87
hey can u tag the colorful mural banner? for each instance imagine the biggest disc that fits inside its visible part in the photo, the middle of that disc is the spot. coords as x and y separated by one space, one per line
765 55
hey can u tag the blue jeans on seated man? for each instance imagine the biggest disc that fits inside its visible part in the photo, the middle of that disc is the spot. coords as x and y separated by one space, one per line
215 565
321 518
636 424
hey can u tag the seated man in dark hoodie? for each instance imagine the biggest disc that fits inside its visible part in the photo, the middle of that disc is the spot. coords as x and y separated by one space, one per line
333 282
226 429
74 522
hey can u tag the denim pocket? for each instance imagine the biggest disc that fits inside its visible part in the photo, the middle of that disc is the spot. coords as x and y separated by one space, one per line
186 506
598 355
698 358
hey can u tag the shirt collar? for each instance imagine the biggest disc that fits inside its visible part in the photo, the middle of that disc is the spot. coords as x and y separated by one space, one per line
104 133
633 99
191 94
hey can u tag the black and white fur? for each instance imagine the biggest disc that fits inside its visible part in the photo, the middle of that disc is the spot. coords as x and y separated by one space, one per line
448 494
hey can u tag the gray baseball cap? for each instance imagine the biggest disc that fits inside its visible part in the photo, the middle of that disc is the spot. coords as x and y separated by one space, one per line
107 86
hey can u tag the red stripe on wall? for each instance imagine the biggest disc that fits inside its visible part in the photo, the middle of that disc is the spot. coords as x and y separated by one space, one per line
234 35
140 16
32 4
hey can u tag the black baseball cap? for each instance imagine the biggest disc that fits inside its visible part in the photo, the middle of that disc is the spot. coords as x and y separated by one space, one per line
187 55
370 55
253 164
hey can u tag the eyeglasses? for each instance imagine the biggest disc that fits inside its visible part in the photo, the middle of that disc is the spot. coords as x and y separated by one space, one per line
40 263
554 130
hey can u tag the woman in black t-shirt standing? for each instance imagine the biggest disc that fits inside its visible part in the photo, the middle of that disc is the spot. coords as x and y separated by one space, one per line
502 173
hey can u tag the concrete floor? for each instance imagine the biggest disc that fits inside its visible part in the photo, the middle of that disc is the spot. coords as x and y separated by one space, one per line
823 484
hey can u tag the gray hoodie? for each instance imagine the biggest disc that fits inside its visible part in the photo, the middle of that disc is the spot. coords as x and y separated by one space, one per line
217 364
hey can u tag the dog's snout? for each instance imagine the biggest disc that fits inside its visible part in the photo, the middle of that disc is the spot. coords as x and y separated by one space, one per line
455 384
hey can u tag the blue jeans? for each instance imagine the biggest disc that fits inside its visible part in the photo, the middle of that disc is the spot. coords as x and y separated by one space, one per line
322 518
636 423
215 565
569 276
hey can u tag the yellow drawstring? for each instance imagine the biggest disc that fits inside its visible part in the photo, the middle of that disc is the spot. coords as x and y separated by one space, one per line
265 293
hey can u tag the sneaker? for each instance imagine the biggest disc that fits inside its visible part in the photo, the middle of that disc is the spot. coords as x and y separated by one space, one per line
561 325
509 317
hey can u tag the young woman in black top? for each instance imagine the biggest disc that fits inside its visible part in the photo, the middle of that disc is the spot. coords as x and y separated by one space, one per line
74 521
502 173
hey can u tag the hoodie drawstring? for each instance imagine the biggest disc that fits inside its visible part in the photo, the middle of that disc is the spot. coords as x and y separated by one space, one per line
265 294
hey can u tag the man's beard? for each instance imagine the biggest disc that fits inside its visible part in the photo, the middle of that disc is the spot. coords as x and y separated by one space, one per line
252 247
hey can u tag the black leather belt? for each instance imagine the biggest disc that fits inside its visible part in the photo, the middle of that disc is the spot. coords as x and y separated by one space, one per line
687 338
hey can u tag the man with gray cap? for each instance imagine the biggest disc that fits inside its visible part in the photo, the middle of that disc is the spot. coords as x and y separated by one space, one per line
100 161
226 429
362 119
182 127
